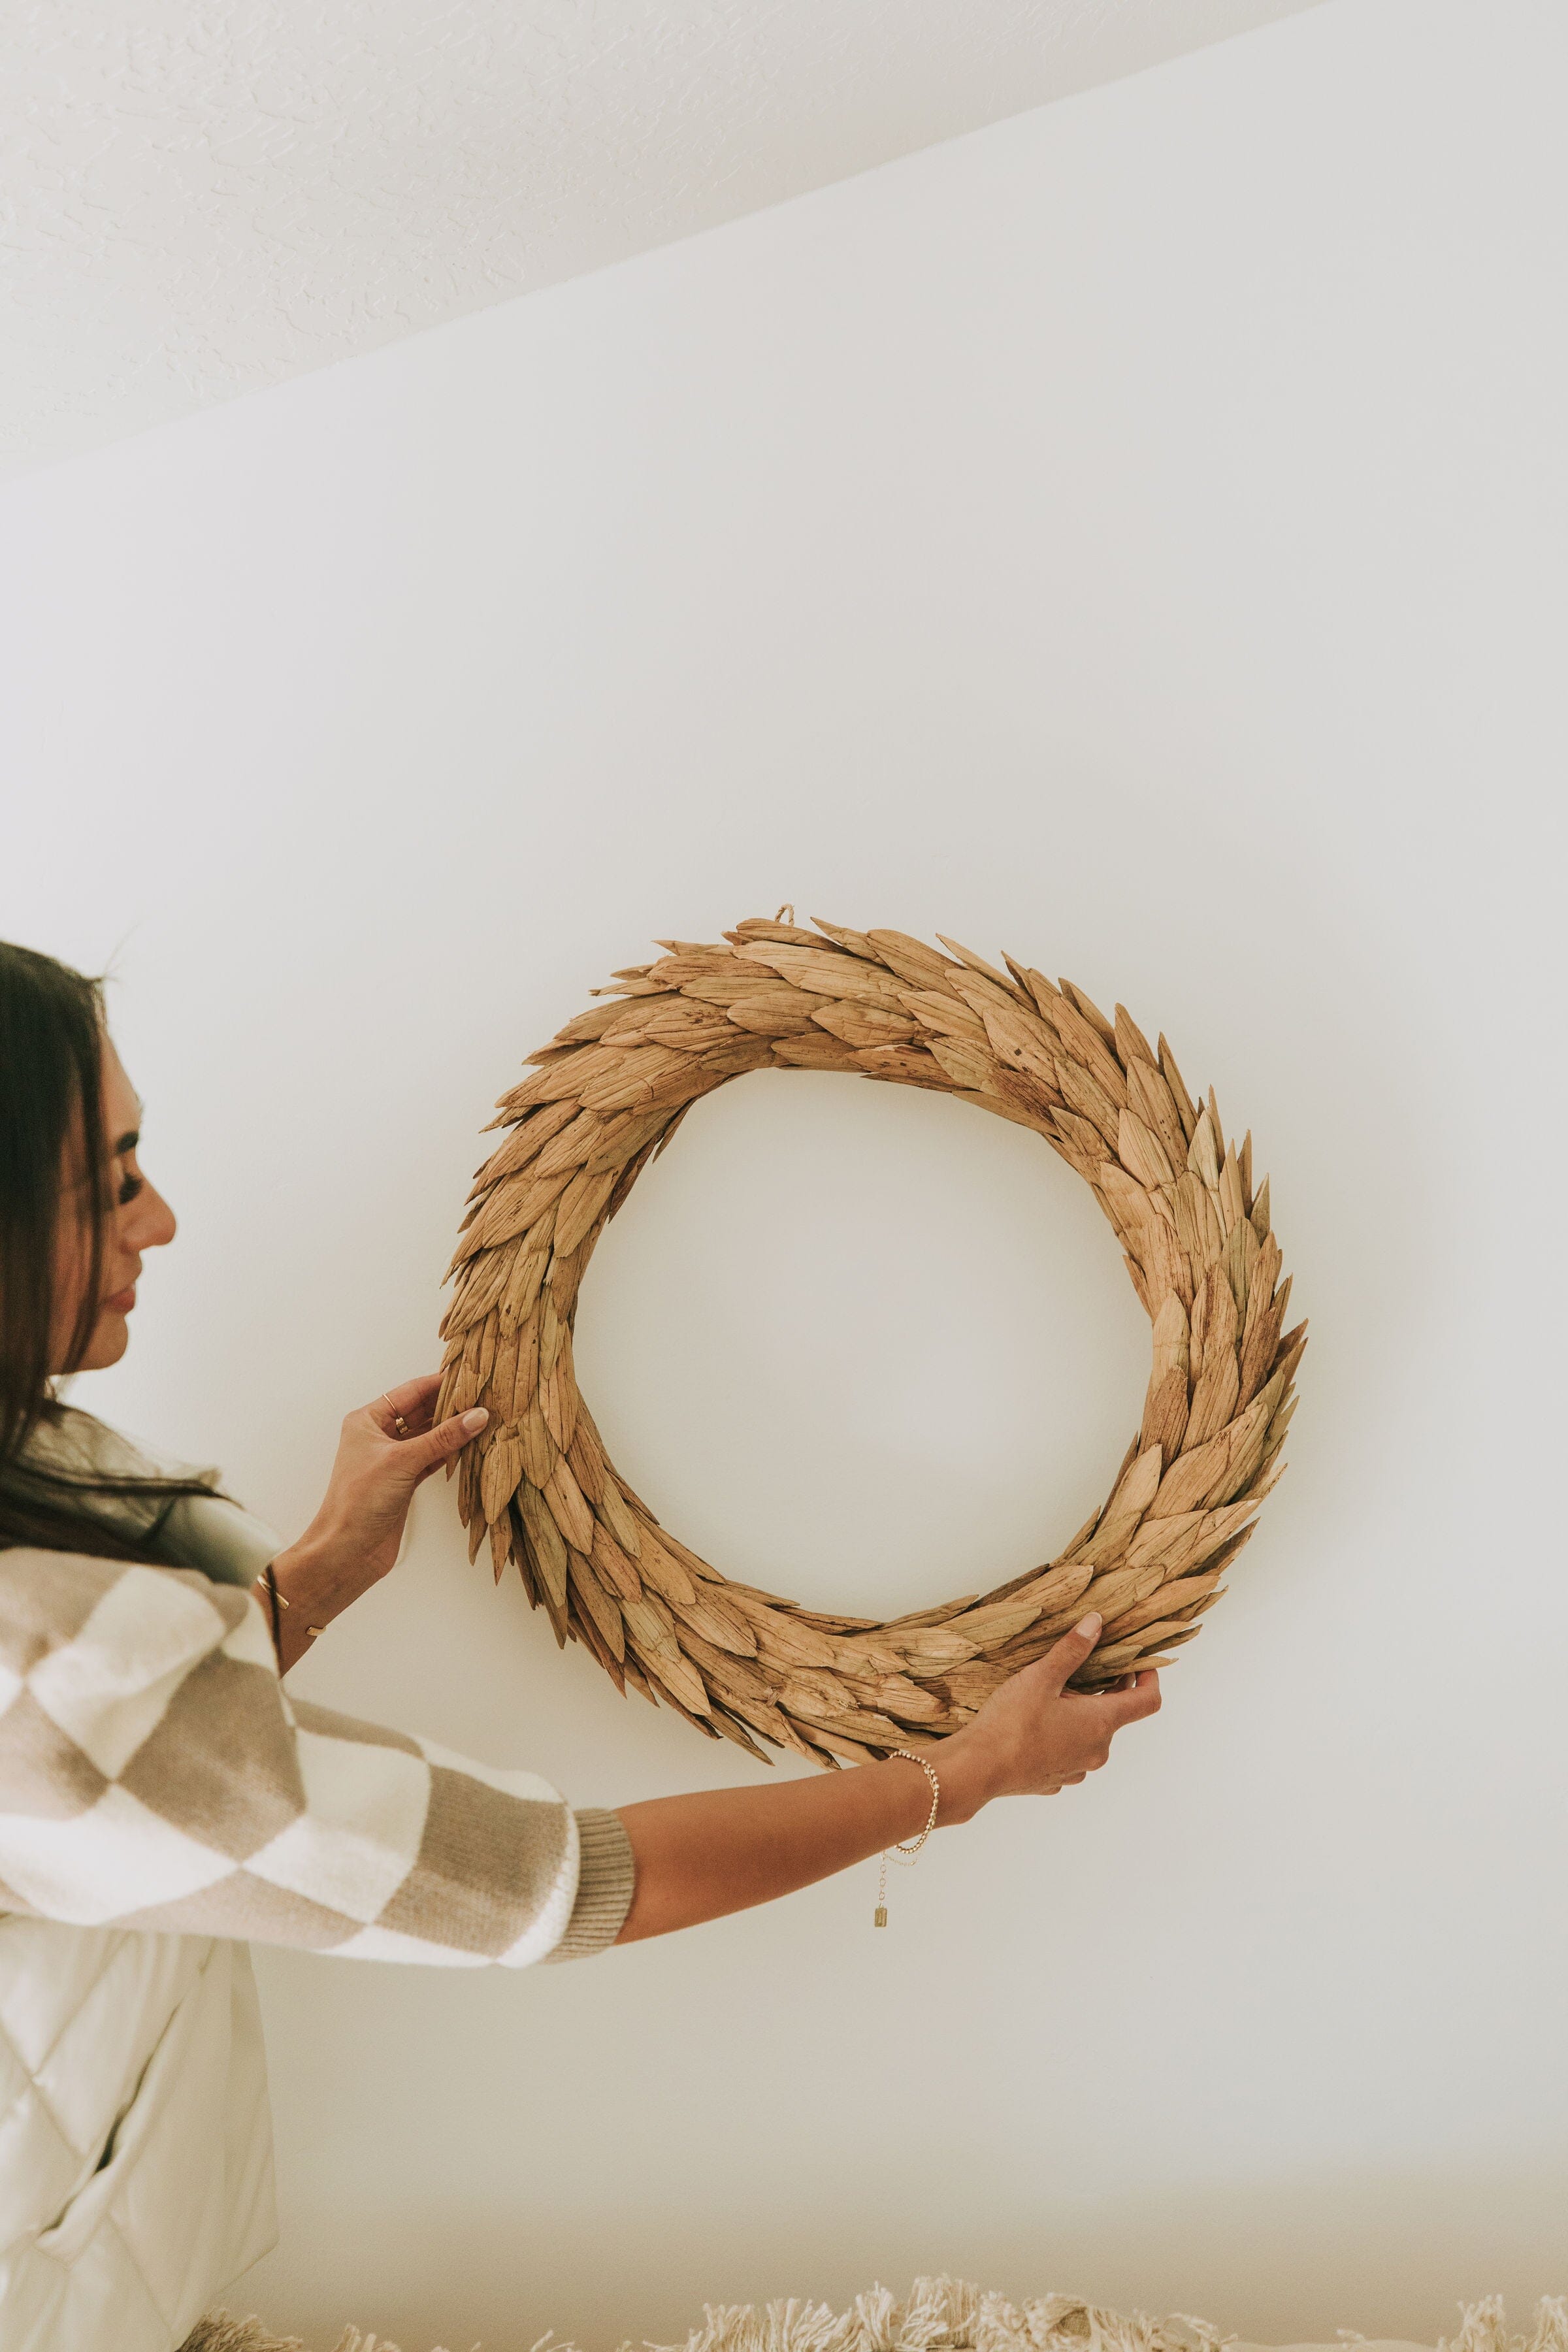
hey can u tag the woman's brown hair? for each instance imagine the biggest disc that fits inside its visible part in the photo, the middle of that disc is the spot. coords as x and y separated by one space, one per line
51 1058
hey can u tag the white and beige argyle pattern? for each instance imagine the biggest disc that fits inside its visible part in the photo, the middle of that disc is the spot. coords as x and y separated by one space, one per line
154 1774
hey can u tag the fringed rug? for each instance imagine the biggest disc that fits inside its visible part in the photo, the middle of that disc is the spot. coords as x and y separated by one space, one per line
944 2314
219 2333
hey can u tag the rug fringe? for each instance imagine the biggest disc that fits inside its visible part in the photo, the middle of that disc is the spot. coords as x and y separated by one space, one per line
220 2332
939 2315
943 2315
1483 2328
948 2314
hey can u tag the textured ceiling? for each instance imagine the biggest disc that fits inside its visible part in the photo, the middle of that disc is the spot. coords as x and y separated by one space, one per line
197 200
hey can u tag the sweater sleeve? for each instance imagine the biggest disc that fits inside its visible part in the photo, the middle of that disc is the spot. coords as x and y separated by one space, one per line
155 1774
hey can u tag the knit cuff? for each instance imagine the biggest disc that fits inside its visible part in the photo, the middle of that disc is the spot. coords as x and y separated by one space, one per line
607 1876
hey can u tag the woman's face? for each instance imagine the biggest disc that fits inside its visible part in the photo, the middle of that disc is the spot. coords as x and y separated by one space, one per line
139 1220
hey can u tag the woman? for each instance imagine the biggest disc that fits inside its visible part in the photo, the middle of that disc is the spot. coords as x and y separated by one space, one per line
163 1800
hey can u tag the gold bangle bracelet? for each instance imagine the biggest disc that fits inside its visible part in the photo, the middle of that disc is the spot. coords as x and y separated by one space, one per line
275 1602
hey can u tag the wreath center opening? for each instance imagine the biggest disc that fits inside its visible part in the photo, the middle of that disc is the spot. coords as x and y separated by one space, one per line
860 1344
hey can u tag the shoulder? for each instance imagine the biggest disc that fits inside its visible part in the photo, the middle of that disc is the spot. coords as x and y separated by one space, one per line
201 1530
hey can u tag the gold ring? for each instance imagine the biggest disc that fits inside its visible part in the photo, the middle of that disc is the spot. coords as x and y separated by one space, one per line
402 1426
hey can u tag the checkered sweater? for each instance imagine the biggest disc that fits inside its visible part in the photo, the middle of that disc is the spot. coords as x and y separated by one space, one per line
161 1799
155 1775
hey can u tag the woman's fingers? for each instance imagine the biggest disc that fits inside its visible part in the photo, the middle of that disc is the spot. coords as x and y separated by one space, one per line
1064 1658
1130 1706
1110 1711
448 1437
412 1401
1127 1700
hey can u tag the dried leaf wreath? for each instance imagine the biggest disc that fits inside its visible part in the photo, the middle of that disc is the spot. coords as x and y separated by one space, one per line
610 1091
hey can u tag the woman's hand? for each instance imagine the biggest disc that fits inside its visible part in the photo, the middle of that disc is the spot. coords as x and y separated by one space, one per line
1034 1735
723 1850
355 1536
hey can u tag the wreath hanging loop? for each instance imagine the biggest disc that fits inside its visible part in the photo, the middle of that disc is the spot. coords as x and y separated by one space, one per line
608 1093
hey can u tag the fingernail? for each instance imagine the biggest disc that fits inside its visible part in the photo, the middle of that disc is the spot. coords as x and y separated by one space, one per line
474 1420
1089 1626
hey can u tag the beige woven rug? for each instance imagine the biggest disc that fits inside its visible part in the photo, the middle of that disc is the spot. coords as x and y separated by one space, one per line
943 2315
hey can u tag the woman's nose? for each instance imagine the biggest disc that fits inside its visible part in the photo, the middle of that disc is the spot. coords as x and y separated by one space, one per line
154 1225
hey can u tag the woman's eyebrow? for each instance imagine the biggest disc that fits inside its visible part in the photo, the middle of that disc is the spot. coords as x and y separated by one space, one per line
128 1142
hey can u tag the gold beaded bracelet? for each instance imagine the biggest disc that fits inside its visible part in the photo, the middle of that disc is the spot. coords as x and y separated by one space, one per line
905 1854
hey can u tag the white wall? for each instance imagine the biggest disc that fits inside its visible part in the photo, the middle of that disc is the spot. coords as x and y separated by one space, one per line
1132 535
199 201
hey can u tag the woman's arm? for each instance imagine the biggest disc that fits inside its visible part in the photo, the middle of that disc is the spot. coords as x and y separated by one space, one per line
700 1856
355 1536
154 1776
724 1849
